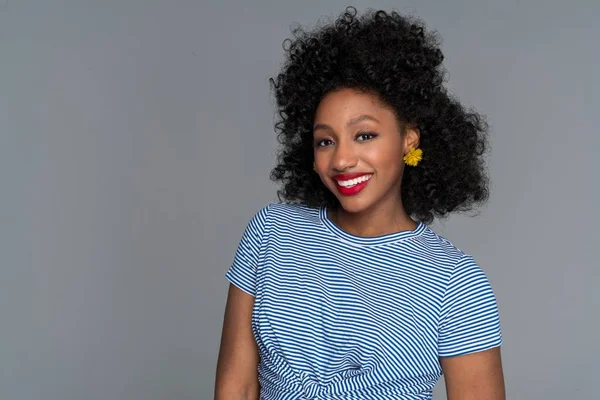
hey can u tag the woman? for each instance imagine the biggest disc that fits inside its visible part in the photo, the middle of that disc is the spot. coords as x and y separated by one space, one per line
343 291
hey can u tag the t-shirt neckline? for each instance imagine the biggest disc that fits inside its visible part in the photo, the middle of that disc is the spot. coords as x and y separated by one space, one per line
368 240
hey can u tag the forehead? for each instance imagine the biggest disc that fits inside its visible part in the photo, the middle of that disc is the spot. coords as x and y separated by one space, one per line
345 104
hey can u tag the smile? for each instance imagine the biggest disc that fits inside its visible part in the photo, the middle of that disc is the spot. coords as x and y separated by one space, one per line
353 182
350 187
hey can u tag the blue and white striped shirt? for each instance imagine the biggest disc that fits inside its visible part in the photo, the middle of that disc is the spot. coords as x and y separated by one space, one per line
338 316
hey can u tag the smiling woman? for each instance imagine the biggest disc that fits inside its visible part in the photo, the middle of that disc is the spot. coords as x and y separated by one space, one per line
394 61
342 291
355 136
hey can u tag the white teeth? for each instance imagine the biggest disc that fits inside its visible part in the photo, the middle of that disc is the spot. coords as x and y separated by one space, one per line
355 181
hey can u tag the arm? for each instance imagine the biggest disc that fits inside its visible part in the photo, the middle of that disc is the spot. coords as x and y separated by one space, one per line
475 376
237 375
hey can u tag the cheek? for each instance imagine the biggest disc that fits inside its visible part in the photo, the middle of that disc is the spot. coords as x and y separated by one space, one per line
385 158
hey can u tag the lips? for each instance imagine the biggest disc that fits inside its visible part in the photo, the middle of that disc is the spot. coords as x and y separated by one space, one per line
351 184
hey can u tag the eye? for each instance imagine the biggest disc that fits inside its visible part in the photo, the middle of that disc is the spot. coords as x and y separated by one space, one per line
323 143
364 136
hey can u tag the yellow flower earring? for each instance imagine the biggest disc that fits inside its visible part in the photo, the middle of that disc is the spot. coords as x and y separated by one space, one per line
413 157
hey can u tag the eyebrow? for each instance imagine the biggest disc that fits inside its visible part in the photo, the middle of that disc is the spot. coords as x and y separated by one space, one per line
353 121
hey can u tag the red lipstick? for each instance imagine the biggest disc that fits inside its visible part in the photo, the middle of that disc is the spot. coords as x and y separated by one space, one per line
352 190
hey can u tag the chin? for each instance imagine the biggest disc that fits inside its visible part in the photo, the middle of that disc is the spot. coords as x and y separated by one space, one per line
353 204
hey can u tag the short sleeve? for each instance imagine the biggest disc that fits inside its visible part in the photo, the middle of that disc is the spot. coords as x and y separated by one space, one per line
469 320
242 272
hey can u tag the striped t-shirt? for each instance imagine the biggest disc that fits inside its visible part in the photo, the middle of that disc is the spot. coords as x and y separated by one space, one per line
339 316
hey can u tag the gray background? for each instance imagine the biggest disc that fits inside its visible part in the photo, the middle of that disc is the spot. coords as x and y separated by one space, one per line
135 143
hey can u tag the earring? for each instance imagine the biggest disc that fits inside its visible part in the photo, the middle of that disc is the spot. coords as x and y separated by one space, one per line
413 157
314 166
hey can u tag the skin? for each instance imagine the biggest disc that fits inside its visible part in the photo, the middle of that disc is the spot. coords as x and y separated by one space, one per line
476 376
237 374
353 132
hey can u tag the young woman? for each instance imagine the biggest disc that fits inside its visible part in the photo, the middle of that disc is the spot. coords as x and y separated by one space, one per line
343 291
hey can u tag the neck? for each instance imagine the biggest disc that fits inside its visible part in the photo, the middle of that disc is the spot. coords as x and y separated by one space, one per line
375 221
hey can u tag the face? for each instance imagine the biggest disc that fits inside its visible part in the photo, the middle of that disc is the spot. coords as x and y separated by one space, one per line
359 148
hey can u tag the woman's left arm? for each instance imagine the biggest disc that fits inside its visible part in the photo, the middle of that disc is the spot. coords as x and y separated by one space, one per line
475 376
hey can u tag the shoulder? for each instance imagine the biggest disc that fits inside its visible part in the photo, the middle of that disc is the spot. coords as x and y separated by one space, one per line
286 223
439 250
456 264
285 213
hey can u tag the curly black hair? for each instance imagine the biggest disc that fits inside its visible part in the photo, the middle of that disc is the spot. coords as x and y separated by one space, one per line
395 58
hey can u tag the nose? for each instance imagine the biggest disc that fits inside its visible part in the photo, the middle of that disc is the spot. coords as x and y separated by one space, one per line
344 157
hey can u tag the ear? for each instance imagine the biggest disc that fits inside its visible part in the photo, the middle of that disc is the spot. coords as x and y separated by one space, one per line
411 138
